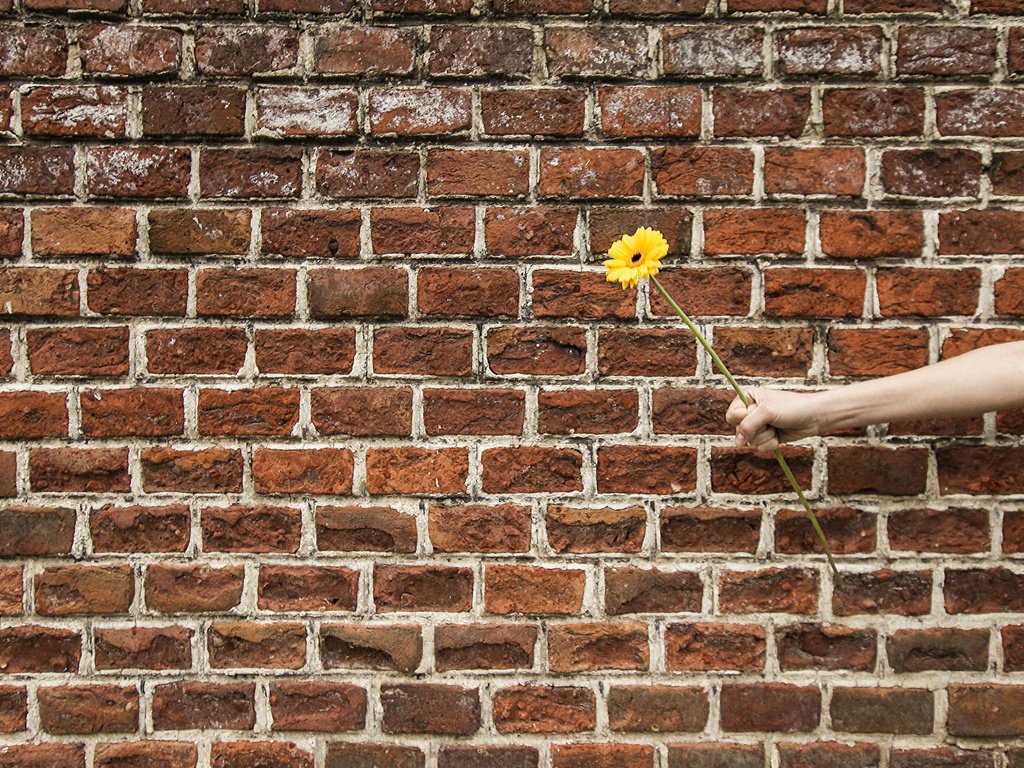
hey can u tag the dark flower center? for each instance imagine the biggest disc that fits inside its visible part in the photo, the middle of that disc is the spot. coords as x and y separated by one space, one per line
636 257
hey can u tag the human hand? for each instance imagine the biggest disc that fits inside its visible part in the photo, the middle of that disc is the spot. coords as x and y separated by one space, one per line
773 417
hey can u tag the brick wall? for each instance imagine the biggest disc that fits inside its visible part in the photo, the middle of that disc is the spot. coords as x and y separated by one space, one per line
323 442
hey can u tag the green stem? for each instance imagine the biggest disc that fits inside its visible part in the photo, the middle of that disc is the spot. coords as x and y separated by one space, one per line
746 401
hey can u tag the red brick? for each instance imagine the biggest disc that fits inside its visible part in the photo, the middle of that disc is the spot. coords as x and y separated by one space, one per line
591 173
83 231
193 588
657 708
714 755
561 7
834 51
434 588
12 232
364 51
532 231
396 647
750 112
892 6
827 754
813 646
602 755
484 646
79 351
979 469
417 471
321 707
609 223
140 528
249 412
986 710
473 412
703 171
650 111
309 470
544 709
848 530
300 351
306 6
906 593
45 755
423 7
931 172
962 530
423 351
816 7
815 171
764 352
204 705
1013 647
569 412
307 588
75 112
343 411
873 112
753 231
35 649
123 50
770 707
710 529
196 350
1015 53
447 230
477 172
588 647
814 292
30 415
37 170
981 232
137 412
367 173
82 470
663 469
12 600
179 111
608 51
251 528
532 470
301 233
961 340
156 648
737 470
872 234
207 470
273 754
150 172
428 111
361 755
76 590
771 590
204 7
595 529
263 646
645 352
656 7
468 292
365 529
533 112
480 51
131 291
8 474
250 173
36 530
13 709
1013 531
478 528
642 590
886 471
983 590
994 112
298 112
88 709
927 292
430 708
199 231
378 292
713 50
33 52
488 757
938 648
537 350
1007 168
523 589
946 757
245 50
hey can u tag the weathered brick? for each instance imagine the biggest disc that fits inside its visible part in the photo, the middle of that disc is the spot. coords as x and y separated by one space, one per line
814 292
827 753
31 531
37 170
33 52
533 112
650 111
749 232
986 710
483 757
245 50
448 230
873 112
75 590
544 709
537 350
931 172
993 112
177 111
82 470
764 352
817 171
418 471
657 708
714 755
479 528
305 352
131 291
773 590
703 171
484 646
430 111
75 111
397 647
981 232
927 292
261 645
307 470
136 412
532 470
750 112
207 470
199 232
150 172
570 412
157 648
343 411
477 173
250 528
274 172
369 529
937 530
533 231
323 707
642 590
737 470
608 51
32 649
201 350
814 646
645 352
481 292
89 709
297 112
979 469
27 414
83 231
480 51
583 755
881 470
770 707
872 234
713 51
709 529
586 647
982 590
363 755
307 588
137 51
848 530
604 529
365 51
906 593
193 589
225 754
591 173
938 648
191 705
523 589
79 351
422 588
829 52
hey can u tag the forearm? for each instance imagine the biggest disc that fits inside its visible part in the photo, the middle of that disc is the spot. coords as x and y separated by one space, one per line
982 380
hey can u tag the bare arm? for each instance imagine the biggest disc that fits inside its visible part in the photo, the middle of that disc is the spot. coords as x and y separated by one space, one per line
982 380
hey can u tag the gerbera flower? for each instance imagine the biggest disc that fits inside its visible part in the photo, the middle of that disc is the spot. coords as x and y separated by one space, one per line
635 256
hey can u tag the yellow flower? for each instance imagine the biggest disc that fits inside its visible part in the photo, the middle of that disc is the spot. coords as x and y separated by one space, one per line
635 256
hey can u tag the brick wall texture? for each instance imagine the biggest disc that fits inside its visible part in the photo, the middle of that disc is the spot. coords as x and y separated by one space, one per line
325 444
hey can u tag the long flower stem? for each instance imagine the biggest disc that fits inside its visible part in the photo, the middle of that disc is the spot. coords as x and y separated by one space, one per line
746 401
